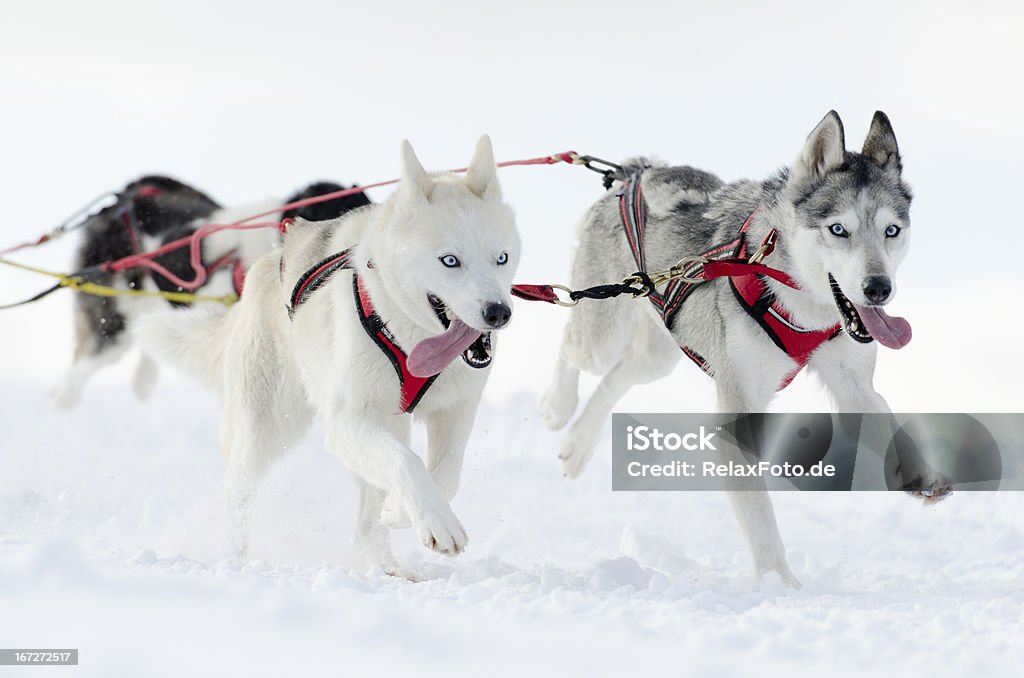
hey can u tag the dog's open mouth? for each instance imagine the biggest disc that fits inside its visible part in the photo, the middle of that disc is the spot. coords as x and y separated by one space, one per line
432 355
864 323
479 352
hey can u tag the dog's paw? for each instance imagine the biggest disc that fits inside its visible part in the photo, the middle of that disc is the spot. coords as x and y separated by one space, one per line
440 530
556 409
575 455
65 397
788 578
778 573
392 513
930 490
144 381
403 573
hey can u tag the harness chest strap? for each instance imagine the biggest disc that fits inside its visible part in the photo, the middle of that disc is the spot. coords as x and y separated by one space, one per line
747 280
412 388
755 297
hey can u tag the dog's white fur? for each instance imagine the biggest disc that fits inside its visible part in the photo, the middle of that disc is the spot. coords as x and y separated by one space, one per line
276 375
248 245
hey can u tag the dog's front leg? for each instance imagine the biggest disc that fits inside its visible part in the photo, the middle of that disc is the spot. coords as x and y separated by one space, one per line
847 369
372 536
372 450
749 495
448 433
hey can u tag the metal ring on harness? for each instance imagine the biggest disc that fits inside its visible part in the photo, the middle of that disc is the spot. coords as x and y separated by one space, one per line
646 286
679 270
560 302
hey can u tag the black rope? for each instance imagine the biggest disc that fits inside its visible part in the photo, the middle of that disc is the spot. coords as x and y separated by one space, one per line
89 274
616 289
37 297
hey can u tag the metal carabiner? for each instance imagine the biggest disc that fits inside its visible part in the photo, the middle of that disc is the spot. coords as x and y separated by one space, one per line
644 289
593 163
571 302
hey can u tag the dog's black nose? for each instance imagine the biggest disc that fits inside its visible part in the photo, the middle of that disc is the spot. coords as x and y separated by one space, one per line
497 315
877 289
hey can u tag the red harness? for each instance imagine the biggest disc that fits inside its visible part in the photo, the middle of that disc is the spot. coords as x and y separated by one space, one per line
132 229
234 262
747 279
411 388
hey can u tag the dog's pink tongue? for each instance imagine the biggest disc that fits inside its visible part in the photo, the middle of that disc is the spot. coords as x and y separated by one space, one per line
890 331
432 355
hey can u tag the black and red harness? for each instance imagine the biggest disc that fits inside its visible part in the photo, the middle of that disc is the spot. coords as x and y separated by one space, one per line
747 277
411 387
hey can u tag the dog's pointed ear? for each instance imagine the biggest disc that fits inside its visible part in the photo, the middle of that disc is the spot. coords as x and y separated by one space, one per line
415 180
823 151
482 175
880 144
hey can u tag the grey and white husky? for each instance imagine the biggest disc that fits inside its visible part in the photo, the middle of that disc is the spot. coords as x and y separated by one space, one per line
842 221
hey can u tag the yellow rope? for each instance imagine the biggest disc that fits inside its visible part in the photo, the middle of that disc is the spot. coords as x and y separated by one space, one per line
79 285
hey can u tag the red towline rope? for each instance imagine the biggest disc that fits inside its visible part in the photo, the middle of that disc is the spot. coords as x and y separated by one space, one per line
30 243
145 259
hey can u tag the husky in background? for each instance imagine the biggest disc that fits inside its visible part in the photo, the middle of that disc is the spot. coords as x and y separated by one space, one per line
321 330
149 213
843 225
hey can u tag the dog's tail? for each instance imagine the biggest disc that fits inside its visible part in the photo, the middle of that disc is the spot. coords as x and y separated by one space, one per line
192 340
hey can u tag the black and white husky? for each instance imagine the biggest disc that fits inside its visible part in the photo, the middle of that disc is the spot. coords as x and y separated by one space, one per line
362 320
840 225
148 213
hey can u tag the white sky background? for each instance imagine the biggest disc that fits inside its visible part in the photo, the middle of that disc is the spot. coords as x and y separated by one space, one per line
247 100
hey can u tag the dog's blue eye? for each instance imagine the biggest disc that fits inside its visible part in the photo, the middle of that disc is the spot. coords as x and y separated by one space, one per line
892 231
839 230
503 259
450 260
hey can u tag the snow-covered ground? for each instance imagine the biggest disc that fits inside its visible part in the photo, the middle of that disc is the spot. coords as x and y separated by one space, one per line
112 540
112 528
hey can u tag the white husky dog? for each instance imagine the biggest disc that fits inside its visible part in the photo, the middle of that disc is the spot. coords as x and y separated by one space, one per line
839 225
325 326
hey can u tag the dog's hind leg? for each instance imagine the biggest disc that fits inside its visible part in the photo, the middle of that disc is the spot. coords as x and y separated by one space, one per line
100 340
265 412
562 397
147 371
255 432
593 341
650 355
